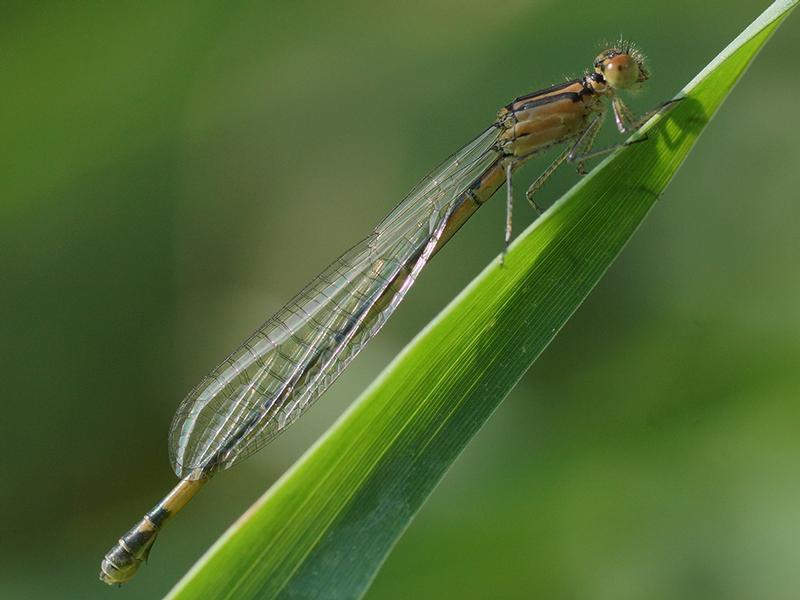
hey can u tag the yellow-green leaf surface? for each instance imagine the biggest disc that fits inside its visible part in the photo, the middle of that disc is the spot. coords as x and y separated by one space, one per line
324 529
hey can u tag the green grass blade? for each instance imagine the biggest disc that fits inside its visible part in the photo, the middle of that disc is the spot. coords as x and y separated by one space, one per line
324 529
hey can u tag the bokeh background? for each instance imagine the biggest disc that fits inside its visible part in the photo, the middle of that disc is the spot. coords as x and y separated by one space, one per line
171 173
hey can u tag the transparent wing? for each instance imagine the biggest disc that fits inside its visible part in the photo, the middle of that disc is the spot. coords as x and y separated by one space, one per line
278 372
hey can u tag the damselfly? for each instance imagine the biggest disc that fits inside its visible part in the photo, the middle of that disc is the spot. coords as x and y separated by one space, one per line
280 370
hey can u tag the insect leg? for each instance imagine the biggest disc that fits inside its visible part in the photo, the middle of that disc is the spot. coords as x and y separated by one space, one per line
539 181
582 144
585 141
608 149
668 105
509 208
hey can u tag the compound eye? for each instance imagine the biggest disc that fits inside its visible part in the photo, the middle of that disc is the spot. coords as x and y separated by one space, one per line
621 71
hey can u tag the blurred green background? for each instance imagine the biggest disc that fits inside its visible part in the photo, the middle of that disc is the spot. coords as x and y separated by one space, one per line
173 172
